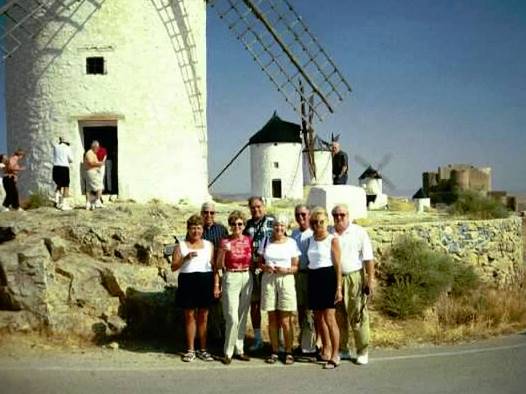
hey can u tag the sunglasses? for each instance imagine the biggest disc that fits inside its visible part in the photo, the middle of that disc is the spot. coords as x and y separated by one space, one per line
208 212
339 215
237 224
302 214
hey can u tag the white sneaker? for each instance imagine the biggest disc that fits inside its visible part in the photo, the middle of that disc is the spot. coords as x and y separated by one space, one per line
362 359
98 204
19 209
3 209
65 207
88 205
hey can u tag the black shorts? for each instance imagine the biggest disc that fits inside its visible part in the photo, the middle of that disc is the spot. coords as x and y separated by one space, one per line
195 290
321 288
61 176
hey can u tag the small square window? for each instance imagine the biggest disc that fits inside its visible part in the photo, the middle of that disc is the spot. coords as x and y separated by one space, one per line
95 65
276 164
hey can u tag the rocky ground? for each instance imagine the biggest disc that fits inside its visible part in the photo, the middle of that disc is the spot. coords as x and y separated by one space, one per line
98 275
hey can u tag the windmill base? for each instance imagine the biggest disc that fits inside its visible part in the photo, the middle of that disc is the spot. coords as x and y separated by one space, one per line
327 196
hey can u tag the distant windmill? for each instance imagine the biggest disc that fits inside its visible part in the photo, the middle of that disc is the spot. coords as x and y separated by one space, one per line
378 168
290 55
372 181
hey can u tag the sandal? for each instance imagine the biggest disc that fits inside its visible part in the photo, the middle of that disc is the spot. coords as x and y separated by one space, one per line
331 364
272 358
204 355
289 359
188 356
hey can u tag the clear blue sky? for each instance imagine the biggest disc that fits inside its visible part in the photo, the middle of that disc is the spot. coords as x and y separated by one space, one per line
434 82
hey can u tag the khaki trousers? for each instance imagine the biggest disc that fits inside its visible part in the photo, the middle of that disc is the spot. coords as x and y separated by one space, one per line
307 332
237 291
352 315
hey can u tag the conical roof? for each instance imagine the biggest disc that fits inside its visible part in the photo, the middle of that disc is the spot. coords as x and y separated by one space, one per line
277 130
420 194
370 172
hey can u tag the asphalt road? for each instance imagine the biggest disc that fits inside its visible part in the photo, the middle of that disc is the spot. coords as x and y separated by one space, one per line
494 366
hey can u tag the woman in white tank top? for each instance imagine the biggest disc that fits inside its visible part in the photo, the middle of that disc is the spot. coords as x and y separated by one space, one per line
324 285
193 257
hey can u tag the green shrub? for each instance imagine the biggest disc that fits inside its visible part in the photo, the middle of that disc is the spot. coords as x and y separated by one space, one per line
415 276
476 206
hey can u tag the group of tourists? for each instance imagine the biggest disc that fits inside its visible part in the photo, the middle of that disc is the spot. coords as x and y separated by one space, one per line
323 273
94 165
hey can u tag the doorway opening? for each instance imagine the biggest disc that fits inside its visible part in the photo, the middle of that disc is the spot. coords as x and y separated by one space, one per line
276 188
107 138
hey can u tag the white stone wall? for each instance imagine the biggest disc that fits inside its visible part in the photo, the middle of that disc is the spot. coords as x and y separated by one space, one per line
161 144
290 169
328 196
323 160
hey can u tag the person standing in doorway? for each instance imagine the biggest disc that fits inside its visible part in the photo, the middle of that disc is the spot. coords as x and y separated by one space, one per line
62 158
358 284
340 163
93 179
102 155
259 228
11 170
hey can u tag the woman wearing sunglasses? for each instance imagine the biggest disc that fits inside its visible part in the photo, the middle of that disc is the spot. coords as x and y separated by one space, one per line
193 258
234 258
324 285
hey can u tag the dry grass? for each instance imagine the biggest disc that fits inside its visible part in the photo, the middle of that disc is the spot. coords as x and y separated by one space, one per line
483 313
401 205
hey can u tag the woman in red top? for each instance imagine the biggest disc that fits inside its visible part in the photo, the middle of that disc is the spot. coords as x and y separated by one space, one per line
234 258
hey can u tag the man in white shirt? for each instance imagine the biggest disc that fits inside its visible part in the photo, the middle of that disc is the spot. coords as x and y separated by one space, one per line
307 339
62 158
358 283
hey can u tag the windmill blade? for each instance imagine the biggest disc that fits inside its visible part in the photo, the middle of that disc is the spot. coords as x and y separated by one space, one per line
21 20
387 182
385 161
285 50
362 161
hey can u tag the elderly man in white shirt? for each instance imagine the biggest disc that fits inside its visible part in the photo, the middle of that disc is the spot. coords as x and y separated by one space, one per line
358 282
62 158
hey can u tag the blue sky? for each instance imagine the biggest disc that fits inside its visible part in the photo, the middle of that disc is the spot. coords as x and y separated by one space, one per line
434 82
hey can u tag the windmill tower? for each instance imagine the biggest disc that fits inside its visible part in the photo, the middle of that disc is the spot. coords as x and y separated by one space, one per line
130 74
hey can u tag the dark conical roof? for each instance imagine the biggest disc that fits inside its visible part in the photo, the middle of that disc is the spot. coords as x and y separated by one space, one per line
420 194
277 130
370 172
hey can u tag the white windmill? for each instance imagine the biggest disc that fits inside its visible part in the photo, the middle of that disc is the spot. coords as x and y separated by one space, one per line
132 73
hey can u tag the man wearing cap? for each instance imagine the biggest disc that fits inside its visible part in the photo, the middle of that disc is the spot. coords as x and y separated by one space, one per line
62 158
340 163
358 283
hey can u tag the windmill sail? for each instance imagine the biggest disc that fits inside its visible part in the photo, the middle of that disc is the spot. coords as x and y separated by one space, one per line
21 20
286 50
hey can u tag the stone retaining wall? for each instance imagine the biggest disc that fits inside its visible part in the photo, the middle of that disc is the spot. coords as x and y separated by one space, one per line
494 247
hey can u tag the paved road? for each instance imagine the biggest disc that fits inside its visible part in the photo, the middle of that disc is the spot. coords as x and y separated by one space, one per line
495 366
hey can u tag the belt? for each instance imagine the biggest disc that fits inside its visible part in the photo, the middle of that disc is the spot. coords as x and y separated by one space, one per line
351 272
237 270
